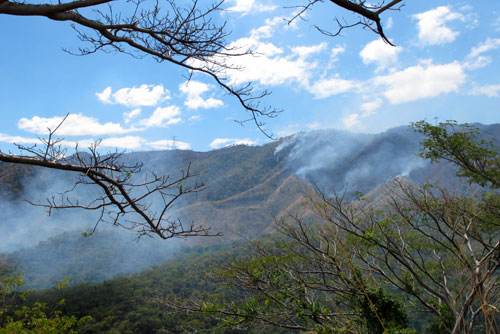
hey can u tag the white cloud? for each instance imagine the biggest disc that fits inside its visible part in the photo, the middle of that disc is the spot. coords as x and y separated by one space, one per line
370 107
313 125
305 51
332 86
105 95
432 26
268 64
168 144
380 53
336 51
193 89
74 125
289 130
475 63
194 118
162 117
488 90
144 95
488 45
127 142
475 59
224 142
350 121
389 24
422 81
128 116
353 121
246 6
18 140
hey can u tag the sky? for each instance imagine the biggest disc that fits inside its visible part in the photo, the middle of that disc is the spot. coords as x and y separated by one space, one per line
445 66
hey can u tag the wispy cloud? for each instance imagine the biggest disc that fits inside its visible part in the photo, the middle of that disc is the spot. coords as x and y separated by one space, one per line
128 116
488 90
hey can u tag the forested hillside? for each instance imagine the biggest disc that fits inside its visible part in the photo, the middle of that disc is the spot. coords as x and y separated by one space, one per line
356 252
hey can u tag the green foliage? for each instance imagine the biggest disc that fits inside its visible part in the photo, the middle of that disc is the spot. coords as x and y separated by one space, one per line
35 319
442 323
478 159
378 305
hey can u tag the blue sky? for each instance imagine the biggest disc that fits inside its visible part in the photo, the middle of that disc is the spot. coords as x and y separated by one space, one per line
445 65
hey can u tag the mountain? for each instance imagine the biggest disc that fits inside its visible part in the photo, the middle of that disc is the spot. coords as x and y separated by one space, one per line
247 186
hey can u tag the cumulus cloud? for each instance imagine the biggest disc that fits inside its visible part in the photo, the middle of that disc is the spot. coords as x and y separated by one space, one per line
162 117
128 116
380 53
74 125
224 142
425 80
142 96
168 144
247 6
432 29
268 64
332 86
193 90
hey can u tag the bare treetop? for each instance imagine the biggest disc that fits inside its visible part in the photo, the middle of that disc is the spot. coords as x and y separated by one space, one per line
188 35
125 197
369 15
185 36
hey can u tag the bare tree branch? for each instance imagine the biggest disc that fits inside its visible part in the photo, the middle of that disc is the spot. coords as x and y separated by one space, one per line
186 37
122 199
369 15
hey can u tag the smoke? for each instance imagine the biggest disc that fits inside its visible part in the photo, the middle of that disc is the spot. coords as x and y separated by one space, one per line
25 229
344 162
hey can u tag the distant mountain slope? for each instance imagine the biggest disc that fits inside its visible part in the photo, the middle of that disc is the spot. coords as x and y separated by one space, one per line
246 185
103 256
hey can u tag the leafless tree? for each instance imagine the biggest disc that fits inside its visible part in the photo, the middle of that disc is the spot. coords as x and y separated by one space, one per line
124 195
438 246
189 37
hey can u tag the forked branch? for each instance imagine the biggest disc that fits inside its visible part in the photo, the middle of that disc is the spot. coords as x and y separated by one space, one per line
123 195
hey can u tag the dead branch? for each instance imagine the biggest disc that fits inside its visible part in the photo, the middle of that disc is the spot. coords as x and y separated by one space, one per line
122 199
